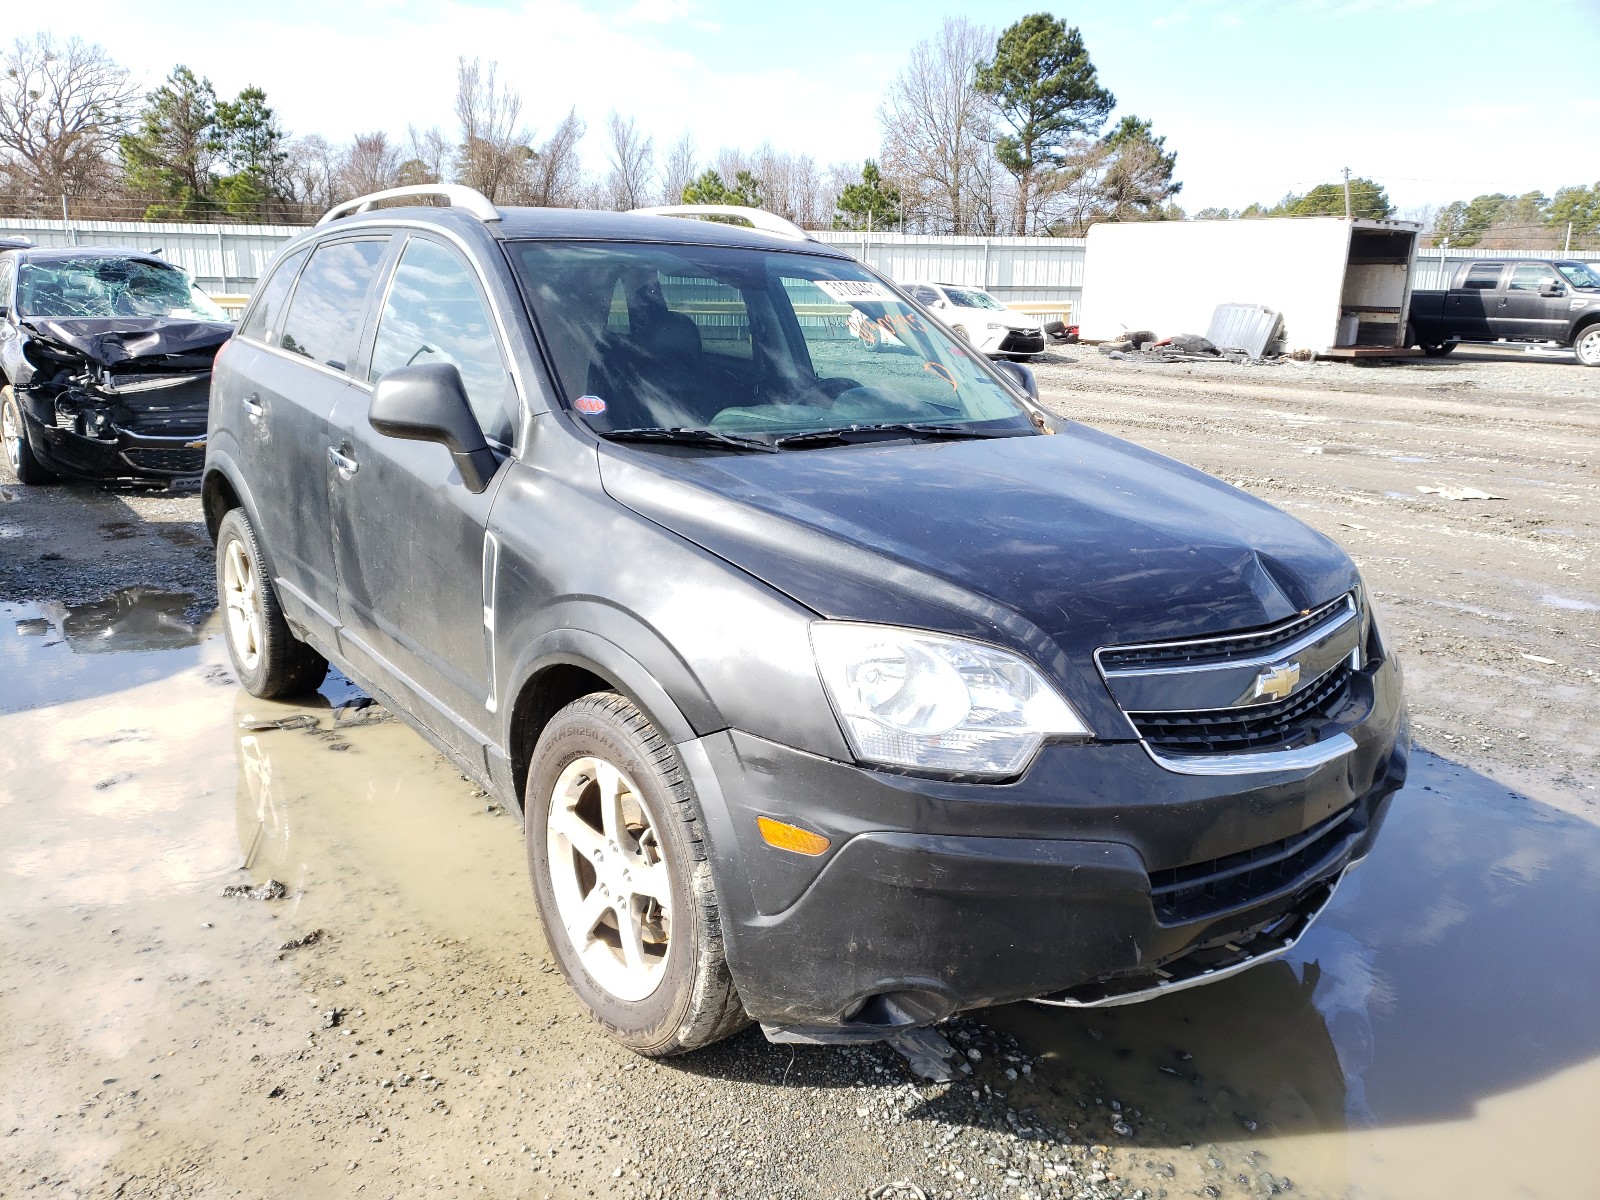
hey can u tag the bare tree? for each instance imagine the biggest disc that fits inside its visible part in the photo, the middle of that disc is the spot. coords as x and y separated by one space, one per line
62 109
493 147
679 171
794 187
311 173
427 156
552 174
937 131
633 164
369 164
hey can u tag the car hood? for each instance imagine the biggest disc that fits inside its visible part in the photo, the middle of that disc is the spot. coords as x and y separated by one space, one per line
112 340
1057 545
1011 320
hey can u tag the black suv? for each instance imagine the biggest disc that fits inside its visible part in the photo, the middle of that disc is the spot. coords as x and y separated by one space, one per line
839 687
105 364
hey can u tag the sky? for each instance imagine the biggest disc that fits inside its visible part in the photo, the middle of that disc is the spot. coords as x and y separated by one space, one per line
1436 99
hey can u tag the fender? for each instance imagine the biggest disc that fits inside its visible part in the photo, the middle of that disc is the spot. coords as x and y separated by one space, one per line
567 646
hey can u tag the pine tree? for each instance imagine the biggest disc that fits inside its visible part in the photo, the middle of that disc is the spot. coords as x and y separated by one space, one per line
873 203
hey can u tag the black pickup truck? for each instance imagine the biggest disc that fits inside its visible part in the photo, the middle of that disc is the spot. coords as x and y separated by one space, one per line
1521 300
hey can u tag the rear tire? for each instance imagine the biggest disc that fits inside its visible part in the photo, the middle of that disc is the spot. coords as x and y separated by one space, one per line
14 429
269 660
620 867
1587 346
1439 349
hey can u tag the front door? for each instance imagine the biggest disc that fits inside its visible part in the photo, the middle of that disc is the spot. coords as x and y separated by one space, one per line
409 538
1471 302
1528 315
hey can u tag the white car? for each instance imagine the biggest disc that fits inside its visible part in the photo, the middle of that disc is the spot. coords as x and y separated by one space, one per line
993 328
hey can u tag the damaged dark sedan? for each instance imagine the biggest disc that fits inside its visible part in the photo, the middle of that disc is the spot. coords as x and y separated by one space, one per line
106 354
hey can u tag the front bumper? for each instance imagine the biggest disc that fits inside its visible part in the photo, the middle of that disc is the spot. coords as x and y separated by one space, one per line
1091 877
176 454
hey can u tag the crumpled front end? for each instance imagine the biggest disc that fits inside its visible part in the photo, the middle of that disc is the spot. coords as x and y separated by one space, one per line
116 399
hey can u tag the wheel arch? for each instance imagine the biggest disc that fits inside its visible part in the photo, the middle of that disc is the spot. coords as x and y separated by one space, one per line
566 664
1584 323
218 496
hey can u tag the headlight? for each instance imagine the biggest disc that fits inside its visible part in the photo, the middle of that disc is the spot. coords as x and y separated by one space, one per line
937 703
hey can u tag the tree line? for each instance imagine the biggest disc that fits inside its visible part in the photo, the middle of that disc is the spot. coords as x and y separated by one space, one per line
1569 220
981 133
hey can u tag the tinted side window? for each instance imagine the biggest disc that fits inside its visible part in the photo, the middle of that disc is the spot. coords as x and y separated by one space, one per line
435 314
922 294
1528 276
262 322
1483 276
8 275
324 319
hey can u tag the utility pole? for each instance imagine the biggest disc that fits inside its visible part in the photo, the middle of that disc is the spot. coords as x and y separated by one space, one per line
1567 249
1347 193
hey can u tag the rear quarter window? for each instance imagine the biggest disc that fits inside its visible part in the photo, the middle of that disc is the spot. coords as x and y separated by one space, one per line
1482 277
262 323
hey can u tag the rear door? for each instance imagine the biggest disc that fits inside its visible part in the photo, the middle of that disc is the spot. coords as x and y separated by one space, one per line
291 370
409 538
1527 314
1473 300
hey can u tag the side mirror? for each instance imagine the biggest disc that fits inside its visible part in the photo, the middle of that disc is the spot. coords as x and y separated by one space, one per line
427 403
1552 287
1021 376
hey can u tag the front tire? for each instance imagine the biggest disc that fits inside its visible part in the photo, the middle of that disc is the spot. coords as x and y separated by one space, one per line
619 862
14 431
268 659
1587 346
1439 349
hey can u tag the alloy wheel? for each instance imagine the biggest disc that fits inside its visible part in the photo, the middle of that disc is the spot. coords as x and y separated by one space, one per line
241 595
1588 347
12 436
609 877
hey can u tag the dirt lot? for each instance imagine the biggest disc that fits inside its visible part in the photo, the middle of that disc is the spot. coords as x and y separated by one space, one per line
390 1023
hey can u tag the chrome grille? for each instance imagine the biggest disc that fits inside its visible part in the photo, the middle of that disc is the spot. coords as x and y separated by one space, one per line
1223 647
1291 721
1218 704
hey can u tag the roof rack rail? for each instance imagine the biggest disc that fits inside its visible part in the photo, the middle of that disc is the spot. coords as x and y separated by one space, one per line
474 201
759 218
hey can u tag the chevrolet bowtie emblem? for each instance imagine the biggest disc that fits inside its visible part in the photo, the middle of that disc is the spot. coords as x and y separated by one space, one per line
1278 681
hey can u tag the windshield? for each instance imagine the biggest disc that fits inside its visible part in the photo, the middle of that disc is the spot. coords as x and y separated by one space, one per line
1579 275
748 342
110 287
972 298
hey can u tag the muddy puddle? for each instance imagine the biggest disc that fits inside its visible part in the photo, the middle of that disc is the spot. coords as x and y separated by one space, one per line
389 1024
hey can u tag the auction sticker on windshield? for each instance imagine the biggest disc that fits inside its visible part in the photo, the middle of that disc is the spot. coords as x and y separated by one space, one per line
856 291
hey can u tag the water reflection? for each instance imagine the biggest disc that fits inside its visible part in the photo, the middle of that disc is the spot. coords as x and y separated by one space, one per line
56 656
130 620
1457 966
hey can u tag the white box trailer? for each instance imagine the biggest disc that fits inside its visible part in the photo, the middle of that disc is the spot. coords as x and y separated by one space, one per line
1342 286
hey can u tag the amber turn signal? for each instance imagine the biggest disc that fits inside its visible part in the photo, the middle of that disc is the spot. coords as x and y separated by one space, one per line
792 837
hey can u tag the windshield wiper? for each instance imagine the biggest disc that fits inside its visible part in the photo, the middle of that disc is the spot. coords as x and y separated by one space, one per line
844 434
684 436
